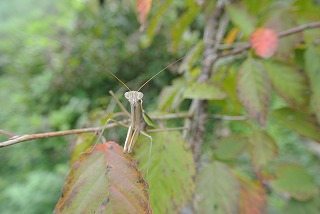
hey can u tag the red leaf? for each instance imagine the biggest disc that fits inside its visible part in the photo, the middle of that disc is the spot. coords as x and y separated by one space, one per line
143 8
104 181
264 42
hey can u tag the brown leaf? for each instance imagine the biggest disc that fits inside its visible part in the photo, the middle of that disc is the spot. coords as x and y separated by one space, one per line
253 198
104 181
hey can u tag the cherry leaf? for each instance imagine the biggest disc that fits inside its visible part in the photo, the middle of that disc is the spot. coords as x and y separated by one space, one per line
253 89
104 181
264 42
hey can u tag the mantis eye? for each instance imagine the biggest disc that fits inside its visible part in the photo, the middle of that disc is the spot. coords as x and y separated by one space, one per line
139 95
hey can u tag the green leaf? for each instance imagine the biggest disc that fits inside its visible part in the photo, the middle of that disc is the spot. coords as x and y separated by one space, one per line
297 207
217 189
263 149
312 63
299 122
171 170
254 89
148 120
296 181
183 22
204 91
104 181
83 142
289 83
241 18
170 96
228 148
154 21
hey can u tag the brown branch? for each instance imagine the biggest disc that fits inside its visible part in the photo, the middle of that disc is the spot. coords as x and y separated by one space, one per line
28 137
214 31
228 117
280 35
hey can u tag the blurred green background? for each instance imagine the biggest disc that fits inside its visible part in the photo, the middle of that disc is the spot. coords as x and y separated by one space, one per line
45 85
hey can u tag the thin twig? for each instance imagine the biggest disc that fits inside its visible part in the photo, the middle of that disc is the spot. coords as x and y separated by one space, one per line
4 132
170 116
28 137
228 117
280 35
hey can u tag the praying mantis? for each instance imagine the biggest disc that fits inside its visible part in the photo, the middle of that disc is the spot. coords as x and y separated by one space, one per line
138 117
137 114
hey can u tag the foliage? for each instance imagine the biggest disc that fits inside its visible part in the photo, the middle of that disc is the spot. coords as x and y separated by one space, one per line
54 77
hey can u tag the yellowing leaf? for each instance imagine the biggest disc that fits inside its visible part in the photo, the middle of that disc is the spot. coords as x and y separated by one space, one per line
264 42
254 89
104 181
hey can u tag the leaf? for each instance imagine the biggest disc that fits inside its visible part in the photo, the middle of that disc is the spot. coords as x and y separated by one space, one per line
312 63
241 18
104 181
217 190
299 122
170 96
228 148
148 120
83 142
297 207
279 17
253 198
204 91
154 21
182 23
289 83
263 149
264 42
231 36
254 89
143 9
296 181
171 170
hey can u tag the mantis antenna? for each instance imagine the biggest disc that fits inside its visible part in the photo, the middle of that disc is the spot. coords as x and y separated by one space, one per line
117 78
166 68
